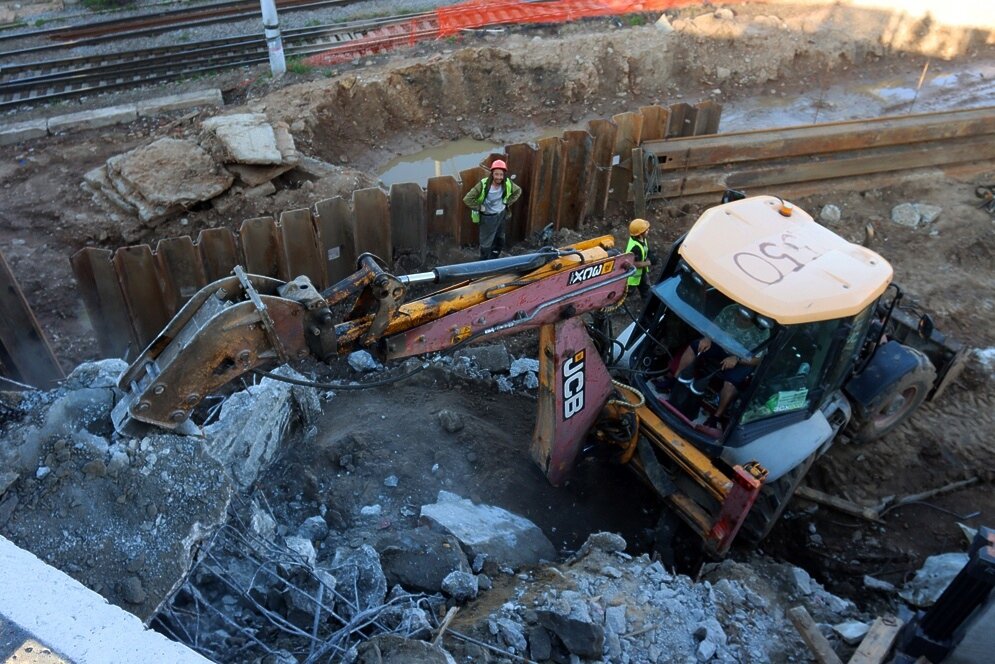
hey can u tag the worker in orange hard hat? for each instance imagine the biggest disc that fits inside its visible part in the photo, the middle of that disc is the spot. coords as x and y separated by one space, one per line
489 200
639 247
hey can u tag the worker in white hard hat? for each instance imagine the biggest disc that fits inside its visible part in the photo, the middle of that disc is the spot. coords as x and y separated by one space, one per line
638 246
489 200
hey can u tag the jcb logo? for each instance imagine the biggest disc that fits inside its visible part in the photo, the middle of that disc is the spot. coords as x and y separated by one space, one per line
573 385
589 272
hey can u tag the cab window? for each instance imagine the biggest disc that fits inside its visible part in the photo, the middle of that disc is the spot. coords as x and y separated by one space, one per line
789 382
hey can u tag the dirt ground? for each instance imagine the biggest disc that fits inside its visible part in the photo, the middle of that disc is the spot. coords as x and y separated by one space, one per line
769 65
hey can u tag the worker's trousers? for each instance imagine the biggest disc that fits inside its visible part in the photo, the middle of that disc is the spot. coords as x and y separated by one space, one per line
492 234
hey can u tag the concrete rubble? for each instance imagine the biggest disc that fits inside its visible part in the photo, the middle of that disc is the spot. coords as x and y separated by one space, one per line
126 516
234 155
175 530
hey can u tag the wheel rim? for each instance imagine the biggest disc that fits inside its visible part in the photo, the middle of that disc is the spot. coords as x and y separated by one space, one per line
896 408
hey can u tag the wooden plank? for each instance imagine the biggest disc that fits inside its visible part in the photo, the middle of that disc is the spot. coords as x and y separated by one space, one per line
817 644
22 338
180 270
301 247
877 643
104 301
790 171
577 173
139 279
707 119
840 504
467 232
819 139
262 248
337 229
604 132
656 119
521 159
408 222
443 206
372 213
218 252
682 117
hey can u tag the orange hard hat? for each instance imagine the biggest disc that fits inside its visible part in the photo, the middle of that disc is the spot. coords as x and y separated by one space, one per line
638 227
498 163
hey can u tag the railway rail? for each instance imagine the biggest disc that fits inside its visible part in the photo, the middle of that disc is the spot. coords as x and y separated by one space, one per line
153 22
52 80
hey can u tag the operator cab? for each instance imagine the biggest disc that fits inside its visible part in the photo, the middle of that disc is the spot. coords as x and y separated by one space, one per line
781 304
781 375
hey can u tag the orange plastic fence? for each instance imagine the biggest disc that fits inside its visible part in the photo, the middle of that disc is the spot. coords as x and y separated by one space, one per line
479 13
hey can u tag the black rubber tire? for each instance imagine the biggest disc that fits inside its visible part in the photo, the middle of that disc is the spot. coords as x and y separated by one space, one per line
869 424
770 504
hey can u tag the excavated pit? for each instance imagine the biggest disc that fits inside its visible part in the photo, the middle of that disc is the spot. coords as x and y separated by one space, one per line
371 459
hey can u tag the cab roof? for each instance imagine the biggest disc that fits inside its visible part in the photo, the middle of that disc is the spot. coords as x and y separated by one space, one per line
788 268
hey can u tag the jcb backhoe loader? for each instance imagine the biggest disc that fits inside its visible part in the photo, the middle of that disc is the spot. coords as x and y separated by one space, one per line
832 352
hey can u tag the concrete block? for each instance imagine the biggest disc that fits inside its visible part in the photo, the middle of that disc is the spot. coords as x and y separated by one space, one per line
72 620
23 131
176 102
505 538
100 117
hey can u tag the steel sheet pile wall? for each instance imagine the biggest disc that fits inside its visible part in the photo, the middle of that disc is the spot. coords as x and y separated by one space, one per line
131 293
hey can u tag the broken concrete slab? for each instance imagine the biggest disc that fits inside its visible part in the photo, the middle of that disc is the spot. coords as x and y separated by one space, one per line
171 172
100 117
246 138
23 131
181 101
505 538
420 559
253 422
315 168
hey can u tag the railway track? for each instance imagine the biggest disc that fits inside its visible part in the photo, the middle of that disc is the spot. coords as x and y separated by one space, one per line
52 80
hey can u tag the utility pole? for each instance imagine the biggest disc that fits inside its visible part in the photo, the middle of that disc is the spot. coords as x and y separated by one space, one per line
274 44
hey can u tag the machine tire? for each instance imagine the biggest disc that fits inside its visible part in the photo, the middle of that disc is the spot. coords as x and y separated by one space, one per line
869 424
770 503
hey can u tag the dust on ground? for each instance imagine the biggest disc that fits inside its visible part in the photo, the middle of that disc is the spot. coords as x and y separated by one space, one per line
509 88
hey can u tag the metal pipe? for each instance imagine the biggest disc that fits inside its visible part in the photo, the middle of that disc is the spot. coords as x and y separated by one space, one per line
274 44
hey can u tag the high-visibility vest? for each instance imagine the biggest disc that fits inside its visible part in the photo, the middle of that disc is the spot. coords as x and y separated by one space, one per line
475 214
640 255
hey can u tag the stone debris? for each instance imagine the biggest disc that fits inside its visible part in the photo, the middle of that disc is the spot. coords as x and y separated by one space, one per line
852 631
420 559
830 214
505 538
494 358
234 155
461 586
363 362
933 578
915 215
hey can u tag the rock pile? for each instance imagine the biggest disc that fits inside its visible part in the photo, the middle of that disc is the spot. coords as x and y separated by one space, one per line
234 155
